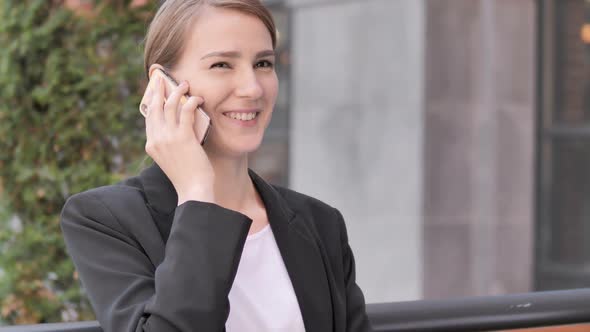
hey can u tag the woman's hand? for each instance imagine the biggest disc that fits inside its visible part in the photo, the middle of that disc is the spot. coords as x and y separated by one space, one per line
173 145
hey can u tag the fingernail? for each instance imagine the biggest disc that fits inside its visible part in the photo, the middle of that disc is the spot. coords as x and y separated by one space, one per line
183 84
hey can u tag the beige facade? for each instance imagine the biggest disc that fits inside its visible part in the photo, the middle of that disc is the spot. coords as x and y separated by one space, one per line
417 119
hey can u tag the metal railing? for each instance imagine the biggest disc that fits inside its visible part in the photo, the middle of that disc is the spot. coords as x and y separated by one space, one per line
486 313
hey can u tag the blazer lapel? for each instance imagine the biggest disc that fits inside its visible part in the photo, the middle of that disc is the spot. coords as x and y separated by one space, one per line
161 198
302 258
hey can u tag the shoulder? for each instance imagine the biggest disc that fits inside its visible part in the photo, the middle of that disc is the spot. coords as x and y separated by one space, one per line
119 195
106 204
300 202
322 216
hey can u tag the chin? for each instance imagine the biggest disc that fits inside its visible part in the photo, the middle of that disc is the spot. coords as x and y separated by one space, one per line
234 146
245 146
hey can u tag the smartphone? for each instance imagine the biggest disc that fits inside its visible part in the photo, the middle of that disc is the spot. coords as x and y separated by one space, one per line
202 125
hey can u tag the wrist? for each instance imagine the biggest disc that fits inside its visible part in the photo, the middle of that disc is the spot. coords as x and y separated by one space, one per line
197 195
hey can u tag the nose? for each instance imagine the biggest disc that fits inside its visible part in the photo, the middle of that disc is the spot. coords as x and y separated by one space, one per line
248 85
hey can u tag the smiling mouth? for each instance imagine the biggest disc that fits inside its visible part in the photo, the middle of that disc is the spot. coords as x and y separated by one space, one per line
246 116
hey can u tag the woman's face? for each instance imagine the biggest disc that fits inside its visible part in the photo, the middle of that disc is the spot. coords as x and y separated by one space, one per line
229 61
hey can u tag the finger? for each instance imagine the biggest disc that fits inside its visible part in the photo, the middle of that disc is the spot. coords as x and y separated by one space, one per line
200 100
152 127
148 134
155 107
187 113
172 103
146 101
148 124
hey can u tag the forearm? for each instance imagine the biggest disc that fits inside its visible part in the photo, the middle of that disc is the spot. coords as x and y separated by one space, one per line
202 256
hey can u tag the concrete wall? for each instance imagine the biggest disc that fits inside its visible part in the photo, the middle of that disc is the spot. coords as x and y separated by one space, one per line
416 119
357 127
479 147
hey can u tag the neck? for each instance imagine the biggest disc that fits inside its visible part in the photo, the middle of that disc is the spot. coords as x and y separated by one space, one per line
233 187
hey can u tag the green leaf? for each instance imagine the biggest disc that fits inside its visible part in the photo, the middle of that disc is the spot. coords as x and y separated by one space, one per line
62 103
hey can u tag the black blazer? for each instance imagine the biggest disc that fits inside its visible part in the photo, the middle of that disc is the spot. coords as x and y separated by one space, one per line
148 265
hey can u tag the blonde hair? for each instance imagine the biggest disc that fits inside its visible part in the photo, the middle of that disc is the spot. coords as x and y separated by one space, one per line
165 39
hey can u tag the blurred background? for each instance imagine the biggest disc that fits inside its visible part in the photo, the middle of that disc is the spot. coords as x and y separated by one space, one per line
453 135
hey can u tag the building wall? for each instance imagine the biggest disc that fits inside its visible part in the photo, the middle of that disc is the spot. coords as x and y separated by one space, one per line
479 147
416 119
357 127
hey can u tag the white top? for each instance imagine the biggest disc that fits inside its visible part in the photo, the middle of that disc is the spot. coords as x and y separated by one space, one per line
262 296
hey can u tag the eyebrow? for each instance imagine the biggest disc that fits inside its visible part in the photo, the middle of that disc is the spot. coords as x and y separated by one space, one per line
234 54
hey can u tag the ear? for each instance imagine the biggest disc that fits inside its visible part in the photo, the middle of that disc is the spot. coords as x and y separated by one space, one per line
154 67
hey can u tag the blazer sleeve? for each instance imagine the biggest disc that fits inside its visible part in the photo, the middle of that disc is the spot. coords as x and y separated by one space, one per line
356 314
186 292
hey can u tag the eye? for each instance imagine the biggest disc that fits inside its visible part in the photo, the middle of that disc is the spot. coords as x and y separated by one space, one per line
220 65
264 64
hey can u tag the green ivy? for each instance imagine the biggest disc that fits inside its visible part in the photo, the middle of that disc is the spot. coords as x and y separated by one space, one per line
69 90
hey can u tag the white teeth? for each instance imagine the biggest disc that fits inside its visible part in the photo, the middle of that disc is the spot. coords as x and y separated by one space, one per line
242 116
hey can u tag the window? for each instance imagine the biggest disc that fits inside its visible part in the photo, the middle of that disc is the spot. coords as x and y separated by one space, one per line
563 202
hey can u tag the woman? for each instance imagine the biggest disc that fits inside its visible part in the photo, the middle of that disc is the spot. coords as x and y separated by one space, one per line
198 242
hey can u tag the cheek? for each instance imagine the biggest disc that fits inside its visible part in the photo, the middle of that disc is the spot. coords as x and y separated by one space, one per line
213 91
271 88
